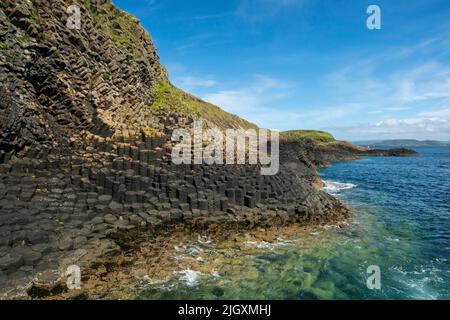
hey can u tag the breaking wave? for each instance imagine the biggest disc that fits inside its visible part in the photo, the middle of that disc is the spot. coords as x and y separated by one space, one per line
334 187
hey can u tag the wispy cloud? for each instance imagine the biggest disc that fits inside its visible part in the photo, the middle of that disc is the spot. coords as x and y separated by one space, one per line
196 40
420 128
206 39
367 98
176 68
260 101
428 81
211 16
265 101
190 82
183 77
261 91
397 88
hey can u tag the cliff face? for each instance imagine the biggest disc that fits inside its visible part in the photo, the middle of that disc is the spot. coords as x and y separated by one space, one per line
57 82
85 116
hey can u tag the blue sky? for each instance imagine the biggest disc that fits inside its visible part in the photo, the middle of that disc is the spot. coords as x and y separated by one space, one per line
310 64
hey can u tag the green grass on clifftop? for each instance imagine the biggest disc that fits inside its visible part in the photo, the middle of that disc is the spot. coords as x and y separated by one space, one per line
320 136
169 99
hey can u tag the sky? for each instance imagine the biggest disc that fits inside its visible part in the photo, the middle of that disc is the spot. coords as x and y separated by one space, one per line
311 64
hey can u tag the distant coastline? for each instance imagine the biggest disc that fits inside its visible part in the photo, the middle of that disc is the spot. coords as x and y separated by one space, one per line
405 143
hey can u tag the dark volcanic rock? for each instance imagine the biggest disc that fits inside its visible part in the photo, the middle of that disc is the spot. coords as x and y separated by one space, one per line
397 152
11 262
82 158
54 80
313 154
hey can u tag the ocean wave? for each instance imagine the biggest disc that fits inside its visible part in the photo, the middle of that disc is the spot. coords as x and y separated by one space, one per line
190 278
268 245
334 187
421 280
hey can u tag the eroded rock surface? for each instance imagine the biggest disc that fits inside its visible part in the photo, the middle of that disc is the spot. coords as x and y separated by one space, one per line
85 163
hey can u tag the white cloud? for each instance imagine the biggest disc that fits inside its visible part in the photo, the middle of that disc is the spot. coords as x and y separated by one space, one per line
262 90
437 114
261 101
176 68
264 102
397 77
234 100
401 89
426 125
190 82
382 96
182 77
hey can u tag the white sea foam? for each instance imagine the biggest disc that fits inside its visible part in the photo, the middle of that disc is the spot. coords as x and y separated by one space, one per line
393 239
268 245
190 277
418 281
147 282
334 187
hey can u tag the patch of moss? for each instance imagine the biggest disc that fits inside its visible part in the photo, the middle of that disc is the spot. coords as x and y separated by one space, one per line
119 41
35 17
168 98
57 53
320 136
4 46
87 5
106 76
2 5
23 39
126 37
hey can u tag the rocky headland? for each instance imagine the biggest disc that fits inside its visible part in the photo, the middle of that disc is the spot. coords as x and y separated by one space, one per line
85 169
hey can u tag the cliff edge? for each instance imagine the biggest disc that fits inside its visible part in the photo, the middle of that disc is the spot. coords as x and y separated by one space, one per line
85 153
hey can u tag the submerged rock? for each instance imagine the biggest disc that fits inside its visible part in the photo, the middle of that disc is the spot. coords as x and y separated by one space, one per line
85 158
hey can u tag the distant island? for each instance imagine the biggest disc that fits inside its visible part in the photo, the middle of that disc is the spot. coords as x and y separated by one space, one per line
402 143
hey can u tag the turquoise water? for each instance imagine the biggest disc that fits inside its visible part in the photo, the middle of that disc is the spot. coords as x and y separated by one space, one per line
401 223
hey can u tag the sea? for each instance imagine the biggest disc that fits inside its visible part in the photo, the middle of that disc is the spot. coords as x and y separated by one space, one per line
396 246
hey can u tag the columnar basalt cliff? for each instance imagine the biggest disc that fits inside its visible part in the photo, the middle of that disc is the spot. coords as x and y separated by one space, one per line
59 84
85 117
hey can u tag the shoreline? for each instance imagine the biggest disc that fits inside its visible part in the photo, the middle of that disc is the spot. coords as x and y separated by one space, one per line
70 204
152 257
100 227
130 240
88 176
